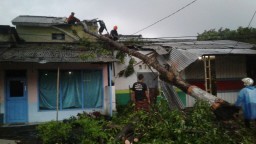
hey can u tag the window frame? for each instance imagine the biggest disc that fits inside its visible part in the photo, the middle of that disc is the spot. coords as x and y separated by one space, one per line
58 36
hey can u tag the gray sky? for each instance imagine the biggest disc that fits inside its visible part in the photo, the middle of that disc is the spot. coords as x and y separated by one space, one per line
133 15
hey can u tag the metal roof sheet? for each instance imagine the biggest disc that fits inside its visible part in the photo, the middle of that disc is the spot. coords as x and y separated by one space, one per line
207 47
222 51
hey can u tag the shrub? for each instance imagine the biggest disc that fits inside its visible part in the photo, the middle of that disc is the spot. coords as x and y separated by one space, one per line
160 125
54 132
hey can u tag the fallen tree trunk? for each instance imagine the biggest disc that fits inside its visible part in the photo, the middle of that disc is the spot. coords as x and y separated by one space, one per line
171 76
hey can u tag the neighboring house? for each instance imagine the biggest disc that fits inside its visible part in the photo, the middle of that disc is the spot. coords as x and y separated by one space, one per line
46 76
51 29
224 63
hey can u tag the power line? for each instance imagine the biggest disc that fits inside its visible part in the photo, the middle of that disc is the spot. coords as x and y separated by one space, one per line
251 19
165 17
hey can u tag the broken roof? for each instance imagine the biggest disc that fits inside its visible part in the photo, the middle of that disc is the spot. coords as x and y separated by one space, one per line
49 53
205 47
183 53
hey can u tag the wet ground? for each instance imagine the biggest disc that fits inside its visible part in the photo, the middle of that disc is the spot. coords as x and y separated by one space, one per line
21 134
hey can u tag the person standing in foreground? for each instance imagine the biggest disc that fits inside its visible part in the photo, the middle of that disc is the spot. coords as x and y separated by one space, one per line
114 34
247 100
140 94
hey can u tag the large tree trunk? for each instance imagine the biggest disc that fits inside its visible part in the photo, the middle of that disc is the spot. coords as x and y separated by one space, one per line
171 76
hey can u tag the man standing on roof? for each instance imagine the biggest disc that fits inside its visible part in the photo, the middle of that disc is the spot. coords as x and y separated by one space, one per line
247 100
72 19
114 34
102 26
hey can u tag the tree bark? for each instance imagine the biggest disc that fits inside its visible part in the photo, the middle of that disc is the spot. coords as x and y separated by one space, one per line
171 76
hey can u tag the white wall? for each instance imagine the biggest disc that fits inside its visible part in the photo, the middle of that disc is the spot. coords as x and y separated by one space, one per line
123 83
228 96
230 67
226 67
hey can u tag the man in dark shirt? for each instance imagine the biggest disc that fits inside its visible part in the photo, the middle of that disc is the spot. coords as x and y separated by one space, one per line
114 34
102 26
140 94
72 19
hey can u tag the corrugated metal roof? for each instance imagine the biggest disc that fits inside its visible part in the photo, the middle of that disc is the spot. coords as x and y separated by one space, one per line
207 47
38 20
183 53
50 54
222 51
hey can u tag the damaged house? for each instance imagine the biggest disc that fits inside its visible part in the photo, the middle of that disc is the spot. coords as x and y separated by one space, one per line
215 66
45 74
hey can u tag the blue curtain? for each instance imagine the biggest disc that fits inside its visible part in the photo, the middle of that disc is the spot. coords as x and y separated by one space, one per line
78 89
47 89
70 89
93 89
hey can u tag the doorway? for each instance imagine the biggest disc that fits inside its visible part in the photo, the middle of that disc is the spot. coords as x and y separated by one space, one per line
16 96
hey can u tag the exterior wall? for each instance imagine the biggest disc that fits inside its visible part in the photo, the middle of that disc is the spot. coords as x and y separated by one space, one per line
195 71
79 30
34 115
230 67
107 101
122 97
229 71
229 96
44 34
39 34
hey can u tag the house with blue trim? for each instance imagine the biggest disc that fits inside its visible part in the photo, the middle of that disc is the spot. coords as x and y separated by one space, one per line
46 74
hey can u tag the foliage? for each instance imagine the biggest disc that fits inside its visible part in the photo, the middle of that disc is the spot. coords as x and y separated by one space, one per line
54 132
121 56
241 34
94 49
129 70
160 125
86 128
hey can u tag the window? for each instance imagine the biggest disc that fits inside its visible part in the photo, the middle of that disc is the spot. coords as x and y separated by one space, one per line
16 88
58 36
78 89
140 67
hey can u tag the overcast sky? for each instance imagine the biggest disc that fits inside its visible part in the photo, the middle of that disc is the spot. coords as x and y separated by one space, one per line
133 15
